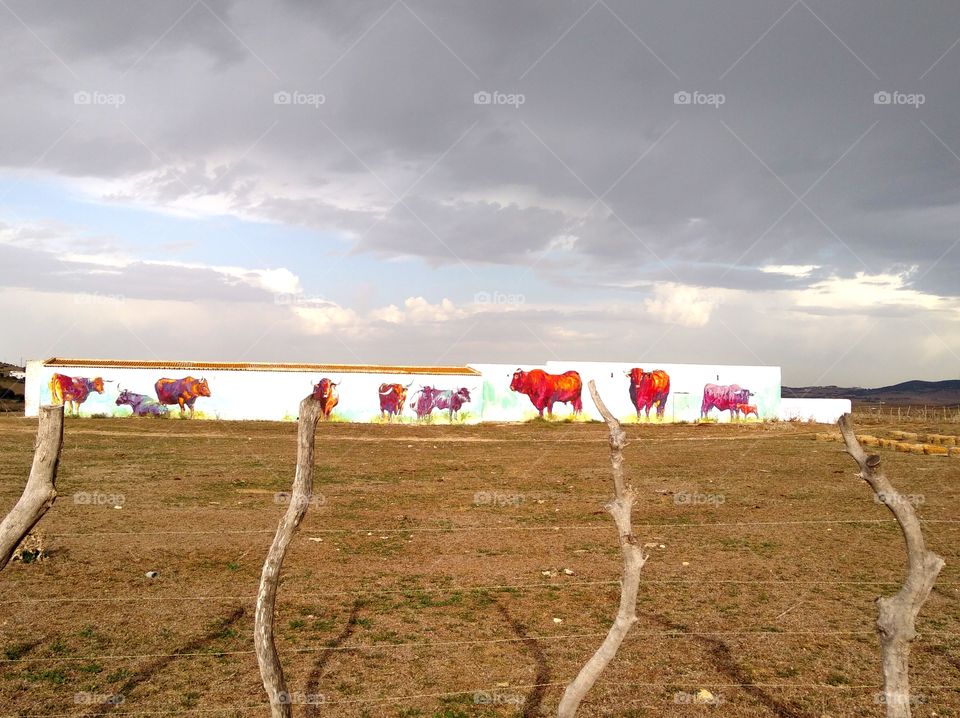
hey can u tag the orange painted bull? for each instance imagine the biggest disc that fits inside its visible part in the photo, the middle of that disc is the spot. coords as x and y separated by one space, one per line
649 389
326 393
183 392
545 389
73 391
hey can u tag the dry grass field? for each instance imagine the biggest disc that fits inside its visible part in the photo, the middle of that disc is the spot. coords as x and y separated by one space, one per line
468 571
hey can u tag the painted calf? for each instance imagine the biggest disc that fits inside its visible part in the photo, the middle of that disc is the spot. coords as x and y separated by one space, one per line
326 393
648 389
392 399
451 400
724 397
141 404
183 392
545 389
747 410
72 391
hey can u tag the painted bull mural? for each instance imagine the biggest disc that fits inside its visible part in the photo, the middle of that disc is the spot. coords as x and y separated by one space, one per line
649 389
325 392
747 410
72 391
724 397
392 399
141 404
183 392
450 400
545 389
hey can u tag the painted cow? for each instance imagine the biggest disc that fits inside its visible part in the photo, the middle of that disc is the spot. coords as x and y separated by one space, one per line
451 400
141 404
326 393
545 389
747 410
183 392
724 397
649 389
392 399
72 391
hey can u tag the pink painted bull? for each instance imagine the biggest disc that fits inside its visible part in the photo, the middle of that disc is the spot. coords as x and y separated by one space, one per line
183 392
725 398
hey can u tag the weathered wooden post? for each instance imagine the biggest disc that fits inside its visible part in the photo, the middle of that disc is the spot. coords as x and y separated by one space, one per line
621 508
897 614
41 491
266 649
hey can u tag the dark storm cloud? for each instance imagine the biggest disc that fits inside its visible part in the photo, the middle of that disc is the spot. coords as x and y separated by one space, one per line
797 166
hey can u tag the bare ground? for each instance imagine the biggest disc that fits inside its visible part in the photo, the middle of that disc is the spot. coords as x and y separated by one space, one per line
430 576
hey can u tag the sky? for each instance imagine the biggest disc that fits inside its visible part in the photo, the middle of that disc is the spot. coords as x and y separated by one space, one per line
414 182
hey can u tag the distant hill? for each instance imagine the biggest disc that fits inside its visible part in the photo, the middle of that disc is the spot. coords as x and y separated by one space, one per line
930 393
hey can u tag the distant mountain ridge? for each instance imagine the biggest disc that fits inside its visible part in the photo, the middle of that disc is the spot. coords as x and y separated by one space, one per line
915 391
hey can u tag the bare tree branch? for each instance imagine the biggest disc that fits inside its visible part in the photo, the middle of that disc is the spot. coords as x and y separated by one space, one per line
620 507
40 491
266 649
897 614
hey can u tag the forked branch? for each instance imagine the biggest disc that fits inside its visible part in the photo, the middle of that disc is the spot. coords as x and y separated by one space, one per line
41 489
898 613
270 669
620 507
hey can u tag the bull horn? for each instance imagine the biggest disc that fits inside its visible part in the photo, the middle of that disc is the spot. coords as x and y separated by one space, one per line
409 385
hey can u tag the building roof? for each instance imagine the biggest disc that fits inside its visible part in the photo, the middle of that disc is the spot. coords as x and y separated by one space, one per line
260 366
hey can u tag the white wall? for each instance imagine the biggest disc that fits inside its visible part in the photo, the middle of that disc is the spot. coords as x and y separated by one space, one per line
822 411
686 387
247 394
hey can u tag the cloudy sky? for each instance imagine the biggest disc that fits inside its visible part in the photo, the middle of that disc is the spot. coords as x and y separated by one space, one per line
414 181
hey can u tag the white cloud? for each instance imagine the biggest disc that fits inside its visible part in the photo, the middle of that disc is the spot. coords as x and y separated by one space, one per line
870 291
418 310
680 304
791 270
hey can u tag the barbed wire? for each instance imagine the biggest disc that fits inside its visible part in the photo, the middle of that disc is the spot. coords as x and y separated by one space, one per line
461 642
451 529
466 589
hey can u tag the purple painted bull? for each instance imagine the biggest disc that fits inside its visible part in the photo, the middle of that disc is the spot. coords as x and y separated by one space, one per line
724 397
451 400
141 404
184 392
392 399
